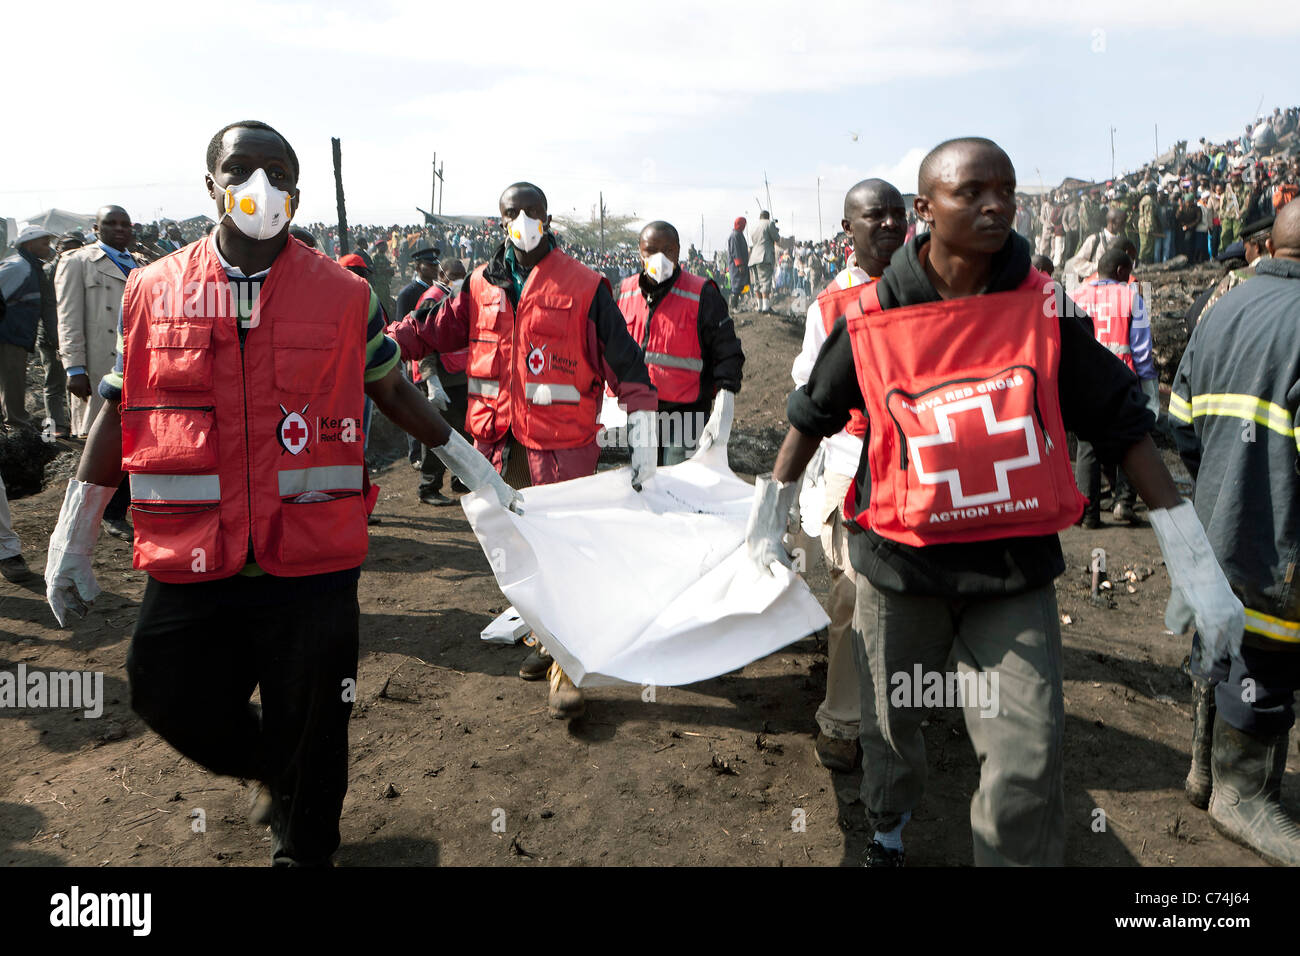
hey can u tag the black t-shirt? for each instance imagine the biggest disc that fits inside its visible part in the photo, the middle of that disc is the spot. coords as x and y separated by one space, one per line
1100 399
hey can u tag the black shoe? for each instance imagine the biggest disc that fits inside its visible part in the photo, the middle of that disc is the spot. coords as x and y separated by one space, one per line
1092 522
434 497
880 855
459 486
15 570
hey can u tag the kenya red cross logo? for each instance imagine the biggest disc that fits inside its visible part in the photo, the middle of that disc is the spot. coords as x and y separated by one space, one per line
536 360
1004 446
293 431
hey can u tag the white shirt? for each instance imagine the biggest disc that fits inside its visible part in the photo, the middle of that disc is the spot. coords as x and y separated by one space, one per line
843 451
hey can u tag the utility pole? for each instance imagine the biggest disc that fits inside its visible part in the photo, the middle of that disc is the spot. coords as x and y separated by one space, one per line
433 197
442 191
602 222
338 194
1112 153
768 190
819 209
1157 140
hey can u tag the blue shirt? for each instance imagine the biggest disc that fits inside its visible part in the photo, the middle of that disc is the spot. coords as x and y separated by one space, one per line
123 260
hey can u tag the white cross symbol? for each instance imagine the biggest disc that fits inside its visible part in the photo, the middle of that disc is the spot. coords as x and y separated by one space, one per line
992 426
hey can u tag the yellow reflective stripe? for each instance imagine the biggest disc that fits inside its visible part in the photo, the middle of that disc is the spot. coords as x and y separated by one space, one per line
1277 628
1271 416
1179 408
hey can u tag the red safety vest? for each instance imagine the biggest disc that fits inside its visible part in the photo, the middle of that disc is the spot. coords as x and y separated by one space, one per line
969 443
670 338
832 303
1110 305
528 371
222 445
452 361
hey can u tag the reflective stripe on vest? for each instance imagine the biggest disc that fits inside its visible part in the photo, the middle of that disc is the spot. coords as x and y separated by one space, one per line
693 296
147 487
673 361
483 386
296 481
1119 349
545 393
1275 628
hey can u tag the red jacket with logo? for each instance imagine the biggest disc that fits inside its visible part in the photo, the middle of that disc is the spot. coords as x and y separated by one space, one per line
969 443
1110 305
670 337
529 372
225 445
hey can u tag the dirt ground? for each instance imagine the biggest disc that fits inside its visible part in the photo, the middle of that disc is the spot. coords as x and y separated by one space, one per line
454 760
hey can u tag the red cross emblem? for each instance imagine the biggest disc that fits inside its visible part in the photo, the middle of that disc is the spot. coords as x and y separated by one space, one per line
536 360
973 450
293 431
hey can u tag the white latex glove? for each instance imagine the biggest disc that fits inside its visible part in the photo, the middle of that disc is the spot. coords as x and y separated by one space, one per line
477 473
1203 593
69 582
1151 389
438 396
768 517
717 430
641 435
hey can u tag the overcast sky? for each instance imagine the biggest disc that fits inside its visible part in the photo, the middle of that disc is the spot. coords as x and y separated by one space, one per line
675 111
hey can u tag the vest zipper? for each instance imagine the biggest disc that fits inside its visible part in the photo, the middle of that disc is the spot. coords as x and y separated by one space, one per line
170 408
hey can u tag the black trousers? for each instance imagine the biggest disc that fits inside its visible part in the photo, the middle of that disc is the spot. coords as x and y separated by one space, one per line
198 652
432 470
1255 692
1087 475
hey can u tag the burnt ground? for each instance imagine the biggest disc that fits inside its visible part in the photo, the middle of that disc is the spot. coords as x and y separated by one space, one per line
455 761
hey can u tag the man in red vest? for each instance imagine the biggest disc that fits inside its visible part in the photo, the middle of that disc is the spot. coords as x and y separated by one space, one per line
874 215
544 337
681 323
1121 323
235 408
969 366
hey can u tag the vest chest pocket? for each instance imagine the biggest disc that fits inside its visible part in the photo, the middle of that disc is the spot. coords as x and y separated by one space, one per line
180 354
484 355
328 529
304 356
552 316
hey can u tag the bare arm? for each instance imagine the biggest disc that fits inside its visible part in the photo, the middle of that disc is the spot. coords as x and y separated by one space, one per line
796 451
1144 467
101 462
407 409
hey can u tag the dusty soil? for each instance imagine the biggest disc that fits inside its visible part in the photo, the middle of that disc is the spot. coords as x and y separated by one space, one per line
455 761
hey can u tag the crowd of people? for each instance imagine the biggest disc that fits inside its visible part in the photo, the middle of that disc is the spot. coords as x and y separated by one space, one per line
492 346
1190 202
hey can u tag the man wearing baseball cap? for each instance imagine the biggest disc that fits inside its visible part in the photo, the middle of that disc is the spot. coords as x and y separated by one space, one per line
20 296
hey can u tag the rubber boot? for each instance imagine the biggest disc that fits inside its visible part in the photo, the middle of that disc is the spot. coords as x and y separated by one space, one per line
1245 805
1199 781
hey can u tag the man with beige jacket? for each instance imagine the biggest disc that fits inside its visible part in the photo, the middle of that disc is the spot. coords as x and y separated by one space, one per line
88 286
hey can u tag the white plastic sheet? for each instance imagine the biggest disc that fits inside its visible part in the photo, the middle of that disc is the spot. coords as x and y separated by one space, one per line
647 588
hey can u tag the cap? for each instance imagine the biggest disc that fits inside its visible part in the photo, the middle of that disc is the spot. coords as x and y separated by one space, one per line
426 254
1263 224
30 232
352 261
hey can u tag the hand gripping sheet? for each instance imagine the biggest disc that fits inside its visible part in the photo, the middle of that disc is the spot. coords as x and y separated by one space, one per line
645 588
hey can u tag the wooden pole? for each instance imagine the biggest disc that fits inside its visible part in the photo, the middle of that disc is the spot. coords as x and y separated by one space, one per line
433 197
338 195
442 182
602 222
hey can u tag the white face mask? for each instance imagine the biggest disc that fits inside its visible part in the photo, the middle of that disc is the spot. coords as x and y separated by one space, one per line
525 232
258 208
455 286
658 268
